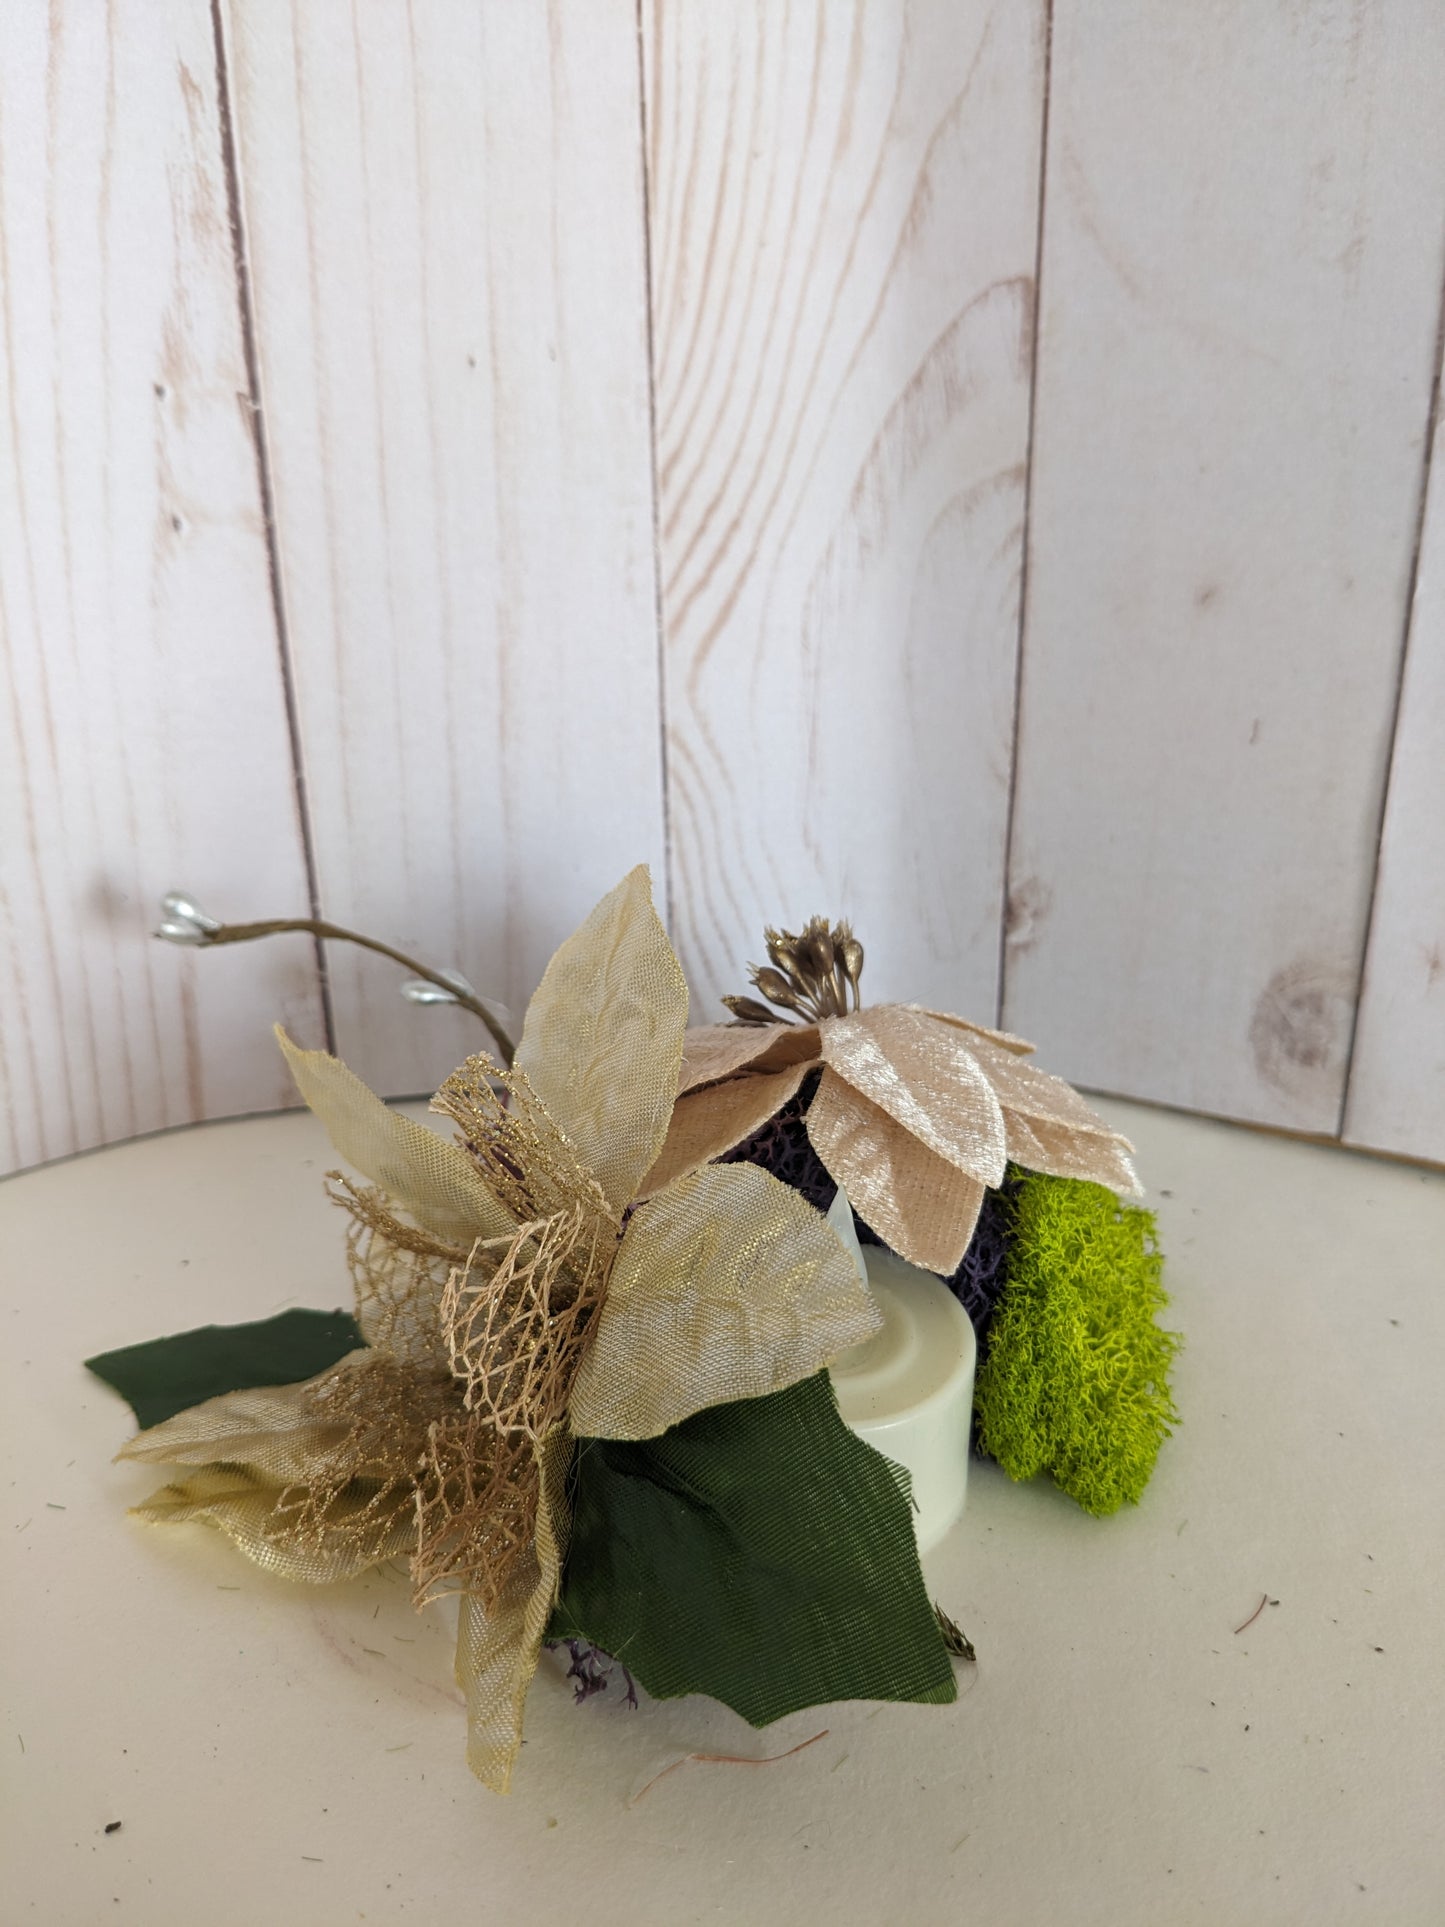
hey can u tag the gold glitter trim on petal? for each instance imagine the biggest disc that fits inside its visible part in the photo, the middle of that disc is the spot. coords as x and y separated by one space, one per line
424 1174
712 1052
708 1122
926 1079
728 1286
1060 1152
922 1206
602 1041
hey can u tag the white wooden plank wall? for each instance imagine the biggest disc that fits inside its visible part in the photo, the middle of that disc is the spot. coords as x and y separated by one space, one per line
662 465
444 219
1397 1081
844 204
1243 236
143 734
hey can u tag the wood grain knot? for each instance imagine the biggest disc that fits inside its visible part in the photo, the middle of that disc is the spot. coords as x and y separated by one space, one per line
1300 1027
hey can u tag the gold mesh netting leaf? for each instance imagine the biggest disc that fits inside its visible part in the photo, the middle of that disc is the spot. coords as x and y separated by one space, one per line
517 1147
515 1332
398 1275
476 1510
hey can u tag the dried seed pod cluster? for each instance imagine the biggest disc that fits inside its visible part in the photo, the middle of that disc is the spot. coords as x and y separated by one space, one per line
812 975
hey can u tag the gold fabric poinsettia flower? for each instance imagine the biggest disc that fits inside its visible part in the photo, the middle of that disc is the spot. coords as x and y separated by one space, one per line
916 1113
514 1298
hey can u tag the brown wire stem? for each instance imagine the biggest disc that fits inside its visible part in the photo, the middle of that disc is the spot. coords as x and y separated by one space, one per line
319 927
1263 1602
727 1759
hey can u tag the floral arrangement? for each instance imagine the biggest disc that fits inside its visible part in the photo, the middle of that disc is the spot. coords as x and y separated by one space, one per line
585 1384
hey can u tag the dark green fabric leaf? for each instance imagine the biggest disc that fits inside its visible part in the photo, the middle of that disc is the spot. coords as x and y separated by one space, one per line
760 1553
167 1375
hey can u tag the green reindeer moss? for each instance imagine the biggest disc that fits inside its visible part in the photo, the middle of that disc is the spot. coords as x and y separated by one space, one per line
1076 1378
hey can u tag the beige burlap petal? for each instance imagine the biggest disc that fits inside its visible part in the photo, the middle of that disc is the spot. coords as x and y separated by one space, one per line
429 1178
714 1051
1005 1039
921 1205
708 1122
1032 1093
369 1526
498 1648
926 1078
1061 1152
602 1042
727 1286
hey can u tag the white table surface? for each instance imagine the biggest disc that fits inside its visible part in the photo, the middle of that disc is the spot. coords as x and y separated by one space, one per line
278 1754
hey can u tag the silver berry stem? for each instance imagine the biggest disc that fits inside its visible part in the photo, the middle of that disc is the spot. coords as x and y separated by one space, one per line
187 923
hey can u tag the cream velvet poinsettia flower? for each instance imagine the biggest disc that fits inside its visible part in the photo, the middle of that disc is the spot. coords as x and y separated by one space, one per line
513 1297
916 1114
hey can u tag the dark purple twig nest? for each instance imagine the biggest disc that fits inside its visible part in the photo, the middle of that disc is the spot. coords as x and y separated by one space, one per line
591 1668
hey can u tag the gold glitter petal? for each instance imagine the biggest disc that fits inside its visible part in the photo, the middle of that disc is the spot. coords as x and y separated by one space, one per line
922 1206
1005 1039
1032 1093
927 1079
258 1517
1060 1152
281 1429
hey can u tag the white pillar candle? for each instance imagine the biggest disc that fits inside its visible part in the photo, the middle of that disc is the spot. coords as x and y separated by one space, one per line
908 1390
